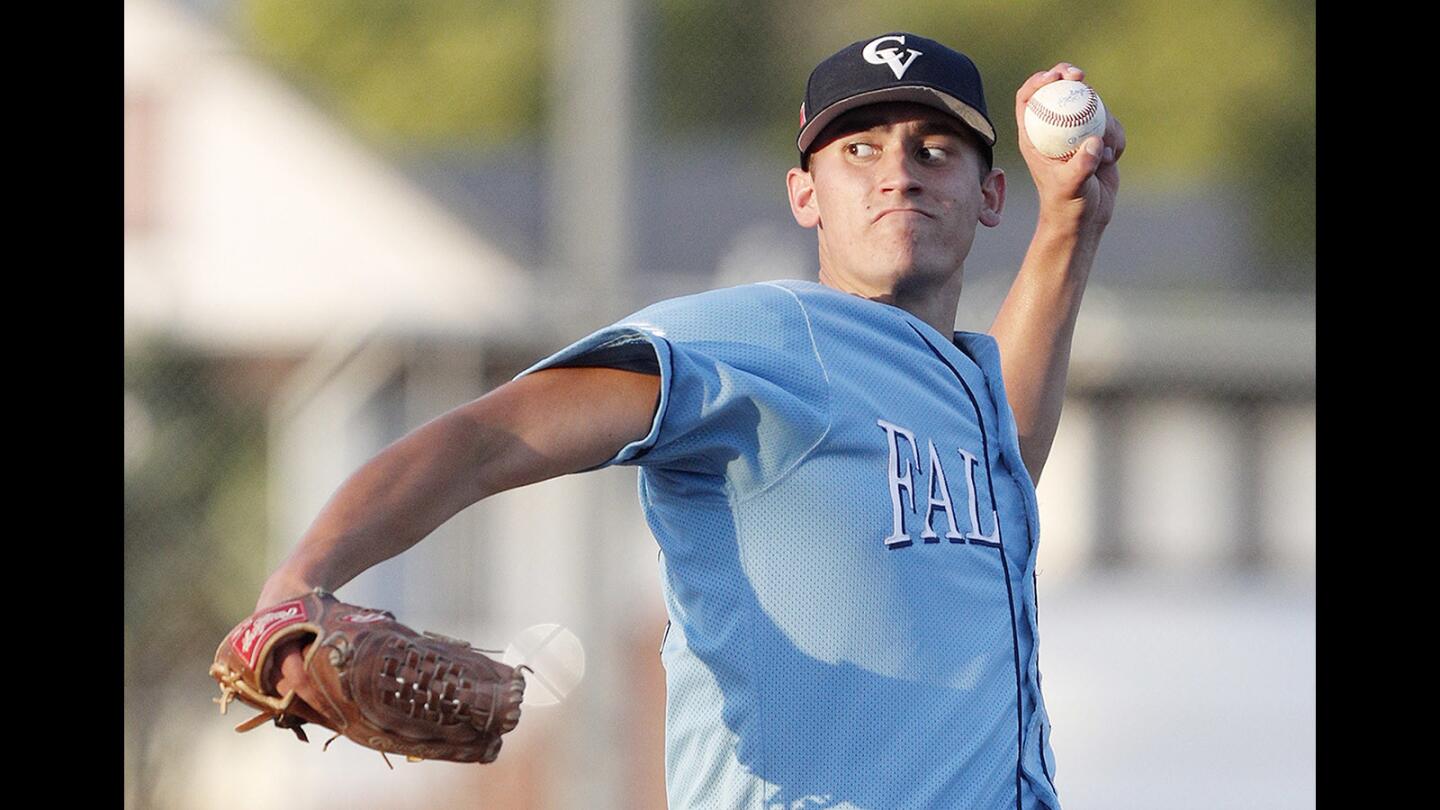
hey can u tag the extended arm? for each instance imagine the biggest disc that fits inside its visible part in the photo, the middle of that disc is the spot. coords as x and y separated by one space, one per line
540 426
543 425
1036 323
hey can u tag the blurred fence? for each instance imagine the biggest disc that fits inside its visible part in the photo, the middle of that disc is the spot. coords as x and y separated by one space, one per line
195 492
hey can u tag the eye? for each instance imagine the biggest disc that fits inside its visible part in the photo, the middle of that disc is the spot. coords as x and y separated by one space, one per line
932 154
860 150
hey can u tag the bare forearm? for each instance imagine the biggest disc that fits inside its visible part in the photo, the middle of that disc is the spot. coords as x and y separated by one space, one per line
389 505
547 424
1035 327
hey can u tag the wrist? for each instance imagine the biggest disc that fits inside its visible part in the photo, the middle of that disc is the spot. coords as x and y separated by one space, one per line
286 583
1061 254
1062 225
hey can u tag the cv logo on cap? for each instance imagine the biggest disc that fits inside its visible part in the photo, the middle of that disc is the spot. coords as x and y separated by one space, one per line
890 56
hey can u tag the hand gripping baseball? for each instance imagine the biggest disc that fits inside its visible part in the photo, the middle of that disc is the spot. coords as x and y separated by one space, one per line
371 679
1083 186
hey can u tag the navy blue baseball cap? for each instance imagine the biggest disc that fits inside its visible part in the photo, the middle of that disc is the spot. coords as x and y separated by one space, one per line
895 67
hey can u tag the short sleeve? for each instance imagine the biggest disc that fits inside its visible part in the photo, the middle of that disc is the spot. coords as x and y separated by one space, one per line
743 390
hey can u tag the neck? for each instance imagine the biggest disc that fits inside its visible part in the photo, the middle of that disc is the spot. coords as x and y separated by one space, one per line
932 300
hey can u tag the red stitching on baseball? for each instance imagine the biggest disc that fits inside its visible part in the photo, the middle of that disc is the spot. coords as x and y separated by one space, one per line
1053 118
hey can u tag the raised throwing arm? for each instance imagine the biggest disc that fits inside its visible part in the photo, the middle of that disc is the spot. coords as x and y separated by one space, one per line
1036 323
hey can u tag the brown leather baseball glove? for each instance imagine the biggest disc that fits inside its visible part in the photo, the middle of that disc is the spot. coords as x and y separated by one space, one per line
380 683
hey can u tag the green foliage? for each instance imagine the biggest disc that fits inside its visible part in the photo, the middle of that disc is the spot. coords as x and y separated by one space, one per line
437 73
716 63
194 512
1211 92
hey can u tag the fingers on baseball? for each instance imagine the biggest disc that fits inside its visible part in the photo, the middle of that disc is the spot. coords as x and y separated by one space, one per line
1084 161
1062 70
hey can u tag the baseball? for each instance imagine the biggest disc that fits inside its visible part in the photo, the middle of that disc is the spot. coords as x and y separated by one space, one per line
1061 115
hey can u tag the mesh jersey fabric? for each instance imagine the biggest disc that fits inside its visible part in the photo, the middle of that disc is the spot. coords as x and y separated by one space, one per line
848 542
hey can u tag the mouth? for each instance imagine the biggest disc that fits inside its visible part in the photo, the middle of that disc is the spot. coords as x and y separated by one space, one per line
902 212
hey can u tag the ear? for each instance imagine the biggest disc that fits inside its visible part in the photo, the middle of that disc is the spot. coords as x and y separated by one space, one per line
801 187
992 190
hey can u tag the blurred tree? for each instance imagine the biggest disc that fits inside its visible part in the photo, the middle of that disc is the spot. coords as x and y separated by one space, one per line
717 66
1217 93
442 73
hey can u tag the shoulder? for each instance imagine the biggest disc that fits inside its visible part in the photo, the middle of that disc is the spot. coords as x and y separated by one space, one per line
759 295
748 326
767 313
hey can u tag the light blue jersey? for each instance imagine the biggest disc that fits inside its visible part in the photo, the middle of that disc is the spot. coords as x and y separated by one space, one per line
848 540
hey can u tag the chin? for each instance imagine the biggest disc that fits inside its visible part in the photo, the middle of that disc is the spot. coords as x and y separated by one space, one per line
909 267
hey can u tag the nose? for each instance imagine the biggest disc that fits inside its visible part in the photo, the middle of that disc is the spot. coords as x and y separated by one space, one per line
898 173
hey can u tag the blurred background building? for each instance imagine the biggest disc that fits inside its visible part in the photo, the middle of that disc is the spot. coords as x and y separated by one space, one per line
344 217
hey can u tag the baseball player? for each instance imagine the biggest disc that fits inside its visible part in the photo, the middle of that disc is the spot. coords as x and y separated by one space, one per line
842 487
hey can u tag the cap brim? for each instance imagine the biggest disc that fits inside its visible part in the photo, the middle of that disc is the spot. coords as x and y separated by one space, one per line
919 94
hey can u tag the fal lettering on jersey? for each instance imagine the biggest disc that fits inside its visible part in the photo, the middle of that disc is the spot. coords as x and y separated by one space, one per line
899 481
900 474
974 534
937 482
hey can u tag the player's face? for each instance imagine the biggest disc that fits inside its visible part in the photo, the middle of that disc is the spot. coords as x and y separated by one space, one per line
895 191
